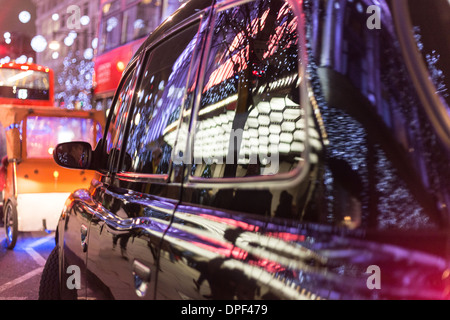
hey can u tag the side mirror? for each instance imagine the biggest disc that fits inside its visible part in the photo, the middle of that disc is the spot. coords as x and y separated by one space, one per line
75 155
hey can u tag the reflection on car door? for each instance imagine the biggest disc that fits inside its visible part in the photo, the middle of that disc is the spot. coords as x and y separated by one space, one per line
222 243
239 233
124 239
136 206
102 206
75 250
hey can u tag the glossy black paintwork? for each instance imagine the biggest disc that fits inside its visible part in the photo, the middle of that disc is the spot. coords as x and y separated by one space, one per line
126 229
374 195
72 253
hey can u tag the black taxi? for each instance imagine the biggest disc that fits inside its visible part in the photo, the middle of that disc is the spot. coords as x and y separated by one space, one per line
269 149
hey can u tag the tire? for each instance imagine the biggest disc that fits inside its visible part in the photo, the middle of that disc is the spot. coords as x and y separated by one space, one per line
49 285
11 225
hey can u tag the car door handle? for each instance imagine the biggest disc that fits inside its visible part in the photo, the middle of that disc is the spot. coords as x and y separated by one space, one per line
142 275
84 232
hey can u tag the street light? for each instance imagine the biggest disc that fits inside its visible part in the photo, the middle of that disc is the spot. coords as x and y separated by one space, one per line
84 20
54 45
68 41
24 16
38 43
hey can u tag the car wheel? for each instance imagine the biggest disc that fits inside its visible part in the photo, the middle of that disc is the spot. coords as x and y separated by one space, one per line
49 285
11 225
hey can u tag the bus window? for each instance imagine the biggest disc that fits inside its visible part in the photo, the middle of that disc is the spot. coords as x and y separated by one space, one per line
140 20
24 84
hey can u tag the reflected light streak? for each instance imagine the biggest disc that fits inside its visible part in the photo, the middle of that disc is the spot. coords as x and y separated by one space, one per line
218 105
226 70
20 76
266 274
231 222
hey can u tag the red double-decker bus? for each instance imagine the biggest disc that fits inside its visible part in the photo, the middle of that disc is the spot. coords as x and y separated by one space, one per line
27 83
33 188
123 27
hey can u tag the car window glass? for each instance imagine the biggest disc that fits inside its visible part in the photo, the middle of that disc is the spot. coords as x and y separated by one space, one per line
429 19
250 120
159 101
385 167
118 120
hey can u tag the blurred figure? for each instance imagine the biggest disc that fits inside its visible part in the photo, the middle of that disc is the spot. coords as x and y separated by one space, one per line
153 164
75 156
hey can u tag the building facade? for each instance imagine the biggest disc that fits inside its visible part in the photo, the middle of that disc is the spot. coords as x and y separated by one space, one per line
70 31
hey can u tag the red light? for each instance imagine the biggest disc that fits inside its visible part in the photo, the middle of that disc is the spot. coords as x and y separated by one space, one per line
120 66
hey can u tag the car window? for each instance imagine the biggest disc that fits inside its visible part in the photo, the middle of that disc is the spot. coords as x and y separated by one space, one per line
428 20
250 121
385 167
120 109
159 100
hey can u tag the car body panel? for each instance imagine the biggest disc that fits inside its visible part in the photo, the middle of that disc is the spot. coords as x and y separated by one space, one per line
124 239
